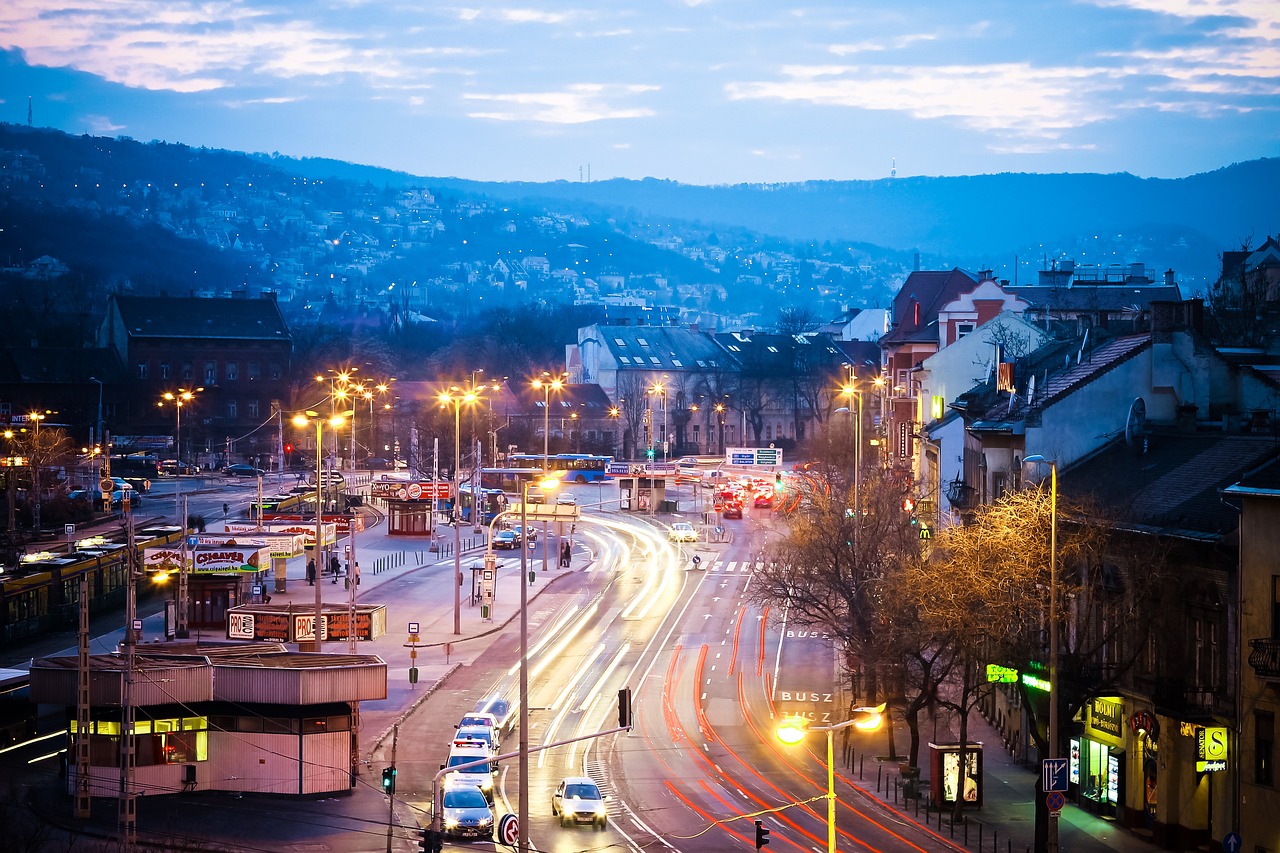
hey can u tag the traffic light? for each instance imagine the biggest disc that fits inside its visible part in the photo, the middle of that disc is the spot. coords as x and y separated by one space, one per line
908 505
778 486
389 780
762 835
649 453
624 708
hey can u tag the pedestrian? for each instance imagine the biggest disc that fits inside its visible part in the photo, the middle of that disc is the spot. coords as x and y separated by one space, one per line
566 554
311 572
335 566
356 576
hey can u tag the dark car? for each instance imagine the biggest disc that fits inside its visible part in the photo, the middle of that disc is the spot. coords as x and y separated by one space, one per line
241 469
733 510
506 539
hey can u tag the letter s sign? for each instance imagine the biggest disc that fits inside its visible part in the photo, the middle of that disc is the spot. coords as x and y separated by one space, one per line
1213 743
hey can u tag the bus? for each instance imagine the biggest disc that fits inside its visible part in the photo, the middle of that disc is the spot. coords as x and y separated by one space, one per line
492 502
509 480
571 467
143 465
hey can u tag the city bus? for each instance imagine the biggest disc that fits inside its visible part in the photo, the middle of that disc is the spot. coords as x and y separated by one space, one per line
492 502
509 480
144 465
571 467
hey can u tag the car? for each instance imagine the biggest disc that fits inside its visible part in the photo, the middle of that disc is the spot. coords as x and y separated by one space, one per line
682 531
486 735
491 707
764 499
465 752
577 799
687 462
242 469
483 718
733 510
141 484
466 812
506 539
566 499
530 535
376 463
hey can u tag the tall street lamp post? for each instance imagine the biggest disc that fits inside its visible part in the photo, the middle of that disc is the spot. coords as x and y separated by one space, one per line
98 437
1053 626
526 578
546 385
456 397
792 731
335 421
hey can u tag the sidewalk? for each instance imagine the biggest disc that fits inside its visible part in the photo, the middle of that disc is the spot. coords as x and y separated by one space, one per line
1007 815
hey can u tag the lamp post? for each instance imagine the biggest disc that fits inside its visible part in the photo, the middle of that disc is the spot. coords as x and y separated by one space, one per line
850 390
659 388
455 397
546 385
98 437
792 731
335 422
178 398
720 417
1053 626
546 485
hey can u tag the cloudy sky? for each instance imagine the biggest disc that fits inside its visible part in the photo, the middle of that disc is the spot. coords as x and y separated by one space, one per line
699 91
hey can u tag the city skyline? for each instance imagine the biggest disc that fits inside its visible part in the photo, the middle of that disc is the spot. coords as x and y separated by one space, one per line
699 91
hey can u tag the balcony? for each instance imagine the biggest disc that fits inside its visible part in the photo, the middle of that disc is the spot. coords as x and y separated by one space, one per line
1264 657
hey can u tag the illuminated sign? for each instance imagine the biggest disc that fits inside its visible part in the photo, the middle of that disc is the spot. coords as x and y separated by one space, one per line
997 674
1211 749
1106 717
1034 682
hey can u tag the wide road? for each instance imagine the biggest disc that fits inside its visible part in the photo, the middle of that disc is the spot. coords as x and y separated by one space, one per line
711 677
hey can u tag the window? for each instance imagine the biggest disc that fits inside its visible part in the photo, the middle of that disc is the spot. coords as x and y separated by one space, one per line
642 342
1204 653
142 370
252 409
164 370
1264 745
211 373
232 411
963 329
622 359
253 370
233 371
186 371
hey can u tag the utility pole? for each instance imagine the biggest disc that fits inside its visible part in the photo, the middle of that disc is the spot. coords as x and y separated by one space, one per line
181 630
391 799
127 811
83 800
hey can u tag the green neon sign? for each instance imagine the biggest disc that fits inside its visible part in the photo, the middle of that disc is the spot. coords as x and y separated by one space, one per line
1035 683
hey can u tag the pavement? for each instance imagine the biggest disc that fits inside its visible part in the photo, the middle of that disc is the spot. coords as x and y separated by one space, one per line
1006 816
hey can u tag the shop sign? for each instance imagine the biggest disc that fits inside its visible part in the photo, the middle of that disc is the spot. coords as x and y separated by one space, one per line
1211 749
227 560
1106 717
997 674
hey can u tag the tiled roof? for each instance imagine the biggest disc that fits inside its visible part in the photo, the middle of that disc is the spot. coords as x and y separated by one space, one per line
1176 484
192 317
931 290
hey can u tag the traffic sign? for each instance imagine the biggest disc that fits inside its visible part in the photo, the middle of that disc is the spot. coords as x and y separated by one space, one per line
1232 843
509 830
1055 801
1054 774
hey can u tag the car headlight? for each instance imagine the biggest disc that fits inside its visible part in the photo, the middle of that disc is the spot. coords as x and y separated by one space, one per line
600 810
486 821
451 823
486 785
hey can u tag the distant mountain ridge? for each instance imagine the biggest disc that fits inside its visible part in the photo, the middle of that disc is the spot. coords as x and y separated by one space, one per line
966 216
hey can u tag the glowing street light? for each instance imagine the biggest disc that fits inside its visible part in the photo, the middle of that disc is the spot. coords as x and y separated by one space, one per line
793 730
335 422
456 397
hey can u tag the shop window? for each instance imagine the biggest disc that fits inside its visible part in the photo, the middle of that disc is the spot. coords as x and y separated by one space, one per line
1264 746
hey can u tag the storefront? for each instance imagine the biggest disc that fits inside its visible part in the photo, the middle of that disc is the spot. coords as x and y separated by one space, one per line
1096 765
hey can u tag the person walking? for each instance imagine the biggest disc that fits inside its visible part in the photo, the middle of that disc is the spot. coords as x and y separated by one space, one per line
566 554
311 572
335 566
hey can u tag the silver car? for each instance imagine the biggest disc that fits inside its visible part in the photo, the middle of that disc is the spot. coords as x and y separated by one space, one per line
466 813
578 800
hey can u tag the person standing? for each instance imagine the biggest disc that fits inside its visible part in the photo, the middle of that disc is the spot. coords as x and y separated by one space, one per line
311 572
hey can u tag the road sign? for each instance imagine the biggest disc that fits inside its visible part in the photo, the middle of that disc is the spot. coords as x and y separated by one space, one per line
69 529
413 628
1054 774
1232 843
509 830
1055 801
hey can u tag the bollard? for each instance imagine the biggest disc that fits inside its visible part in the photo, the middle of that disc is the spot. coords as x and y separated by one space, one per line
980 826
966 830
862 765
879 771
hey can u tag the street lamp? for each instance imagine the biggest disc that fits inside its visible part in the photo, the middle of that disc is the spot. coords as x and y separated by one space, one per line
179 399
659 388
455 397
335 422
546 486
1053 626
546 386
720 416
793 730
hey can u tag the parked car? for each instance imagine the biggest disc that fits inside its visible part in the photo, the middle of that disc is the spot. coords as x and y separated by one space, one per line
242 469
682 531
578 800
506 540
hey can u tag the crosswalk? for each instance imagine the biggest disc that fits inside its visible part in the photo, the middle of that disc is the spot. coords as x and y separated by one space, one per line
731 566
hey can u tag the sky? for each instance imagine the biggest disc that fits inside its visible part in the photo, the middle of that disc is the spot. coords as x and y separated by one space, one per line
704 92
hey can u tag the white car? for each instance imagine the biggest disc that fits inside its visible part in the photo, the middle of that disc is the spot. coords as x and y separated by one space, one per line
566 499
682 531
578 800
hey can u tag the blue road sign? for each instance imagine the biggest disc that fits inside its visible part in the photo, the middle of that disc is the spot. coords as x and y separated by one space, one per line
1054 774
1232 843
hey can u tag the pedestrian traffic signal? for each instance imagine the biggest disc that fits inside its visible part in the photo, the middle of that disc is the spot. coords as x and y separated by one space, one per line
624 708
389 780
908 505
762 835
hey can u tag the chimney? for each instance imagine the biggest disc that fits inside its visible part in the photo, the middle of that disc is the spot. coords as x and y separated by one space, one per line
917 266
1169 280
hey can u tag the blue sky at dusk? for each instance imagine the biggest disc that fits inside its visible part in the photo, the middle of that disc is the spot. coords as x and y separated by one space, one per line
699 91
